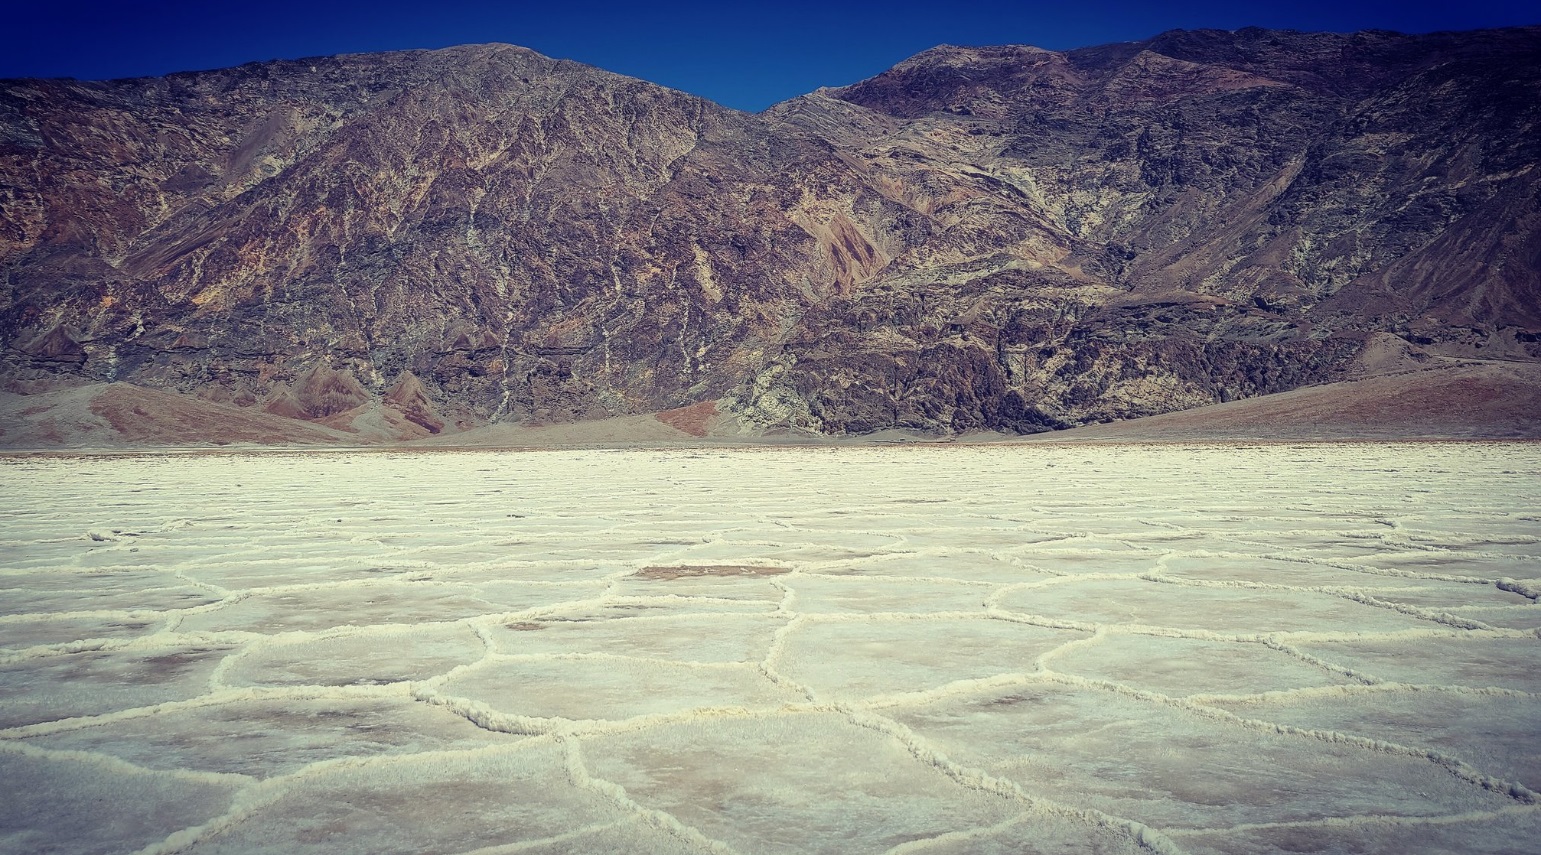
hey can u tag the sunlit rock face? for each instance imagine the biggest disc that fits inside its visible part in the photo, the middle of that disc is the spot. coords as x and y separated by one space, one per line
533 239
1002 238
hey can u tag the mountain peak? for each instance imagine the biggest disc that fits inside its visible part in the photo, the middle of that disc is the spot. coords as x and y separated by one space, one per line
998 237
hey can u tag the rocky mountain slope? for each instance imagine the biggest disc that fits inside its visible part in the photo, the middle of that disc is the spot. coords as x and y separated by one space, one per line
1004 238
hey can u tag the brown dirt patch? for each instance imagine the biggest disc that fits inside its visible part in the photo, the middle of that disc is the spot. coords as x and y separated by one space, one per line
694 419
152 416
1462 401
663 574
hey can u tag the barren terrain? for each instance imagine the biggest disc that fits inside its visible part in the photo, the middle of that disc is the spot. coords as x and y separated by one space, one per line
1240 648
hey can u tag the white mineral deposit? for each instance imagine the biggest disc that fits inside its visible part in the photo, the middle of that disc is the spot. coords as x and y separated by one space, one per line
1238 648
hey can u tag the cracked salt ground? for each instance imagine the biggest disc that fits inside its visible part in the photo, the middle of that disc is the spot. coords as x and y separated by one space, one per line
849 660
65 801
1496 731
947 650
268 734
366 657
1183 667
43 687
719 638
25 631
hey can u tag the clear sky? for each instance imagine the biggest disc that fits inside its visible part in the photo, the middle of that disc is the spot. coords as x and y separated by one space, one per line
746 55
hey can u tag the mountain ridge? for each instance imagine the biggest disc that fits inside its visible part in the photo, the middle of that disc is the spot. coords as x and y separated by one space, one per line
1038 240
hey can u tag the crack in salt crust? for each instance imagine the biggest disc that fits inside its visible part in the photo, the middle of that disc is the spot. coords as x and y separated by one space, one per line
551 601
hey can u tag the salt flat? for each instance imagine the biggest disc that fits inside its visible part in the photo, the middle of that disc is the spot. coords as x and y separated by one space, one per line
1264 648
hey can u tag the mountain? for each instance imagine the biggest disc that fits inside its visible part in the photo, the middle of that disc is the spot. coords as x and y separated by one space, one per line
398 245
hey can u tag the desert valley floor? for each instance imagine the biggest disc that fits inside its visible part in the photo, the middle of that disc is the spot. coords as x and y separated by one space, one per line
988 649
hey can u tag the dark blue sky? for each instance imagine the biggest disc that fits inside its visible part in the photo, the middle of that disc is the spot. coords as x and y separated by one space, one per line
745 55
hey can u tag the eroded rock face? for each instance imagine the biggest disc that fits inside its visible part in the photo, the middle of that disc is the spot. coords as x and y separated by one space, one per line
998 238
408 397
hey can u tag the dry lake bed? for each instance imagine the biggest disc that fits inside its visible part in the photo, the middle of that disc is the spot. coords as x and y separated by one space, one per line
961 649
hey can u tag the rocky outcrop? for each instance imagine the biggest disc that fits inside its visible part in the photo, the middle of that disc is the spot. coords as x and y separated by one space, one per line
1222 215
56 348
319 393
981 238
408 397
